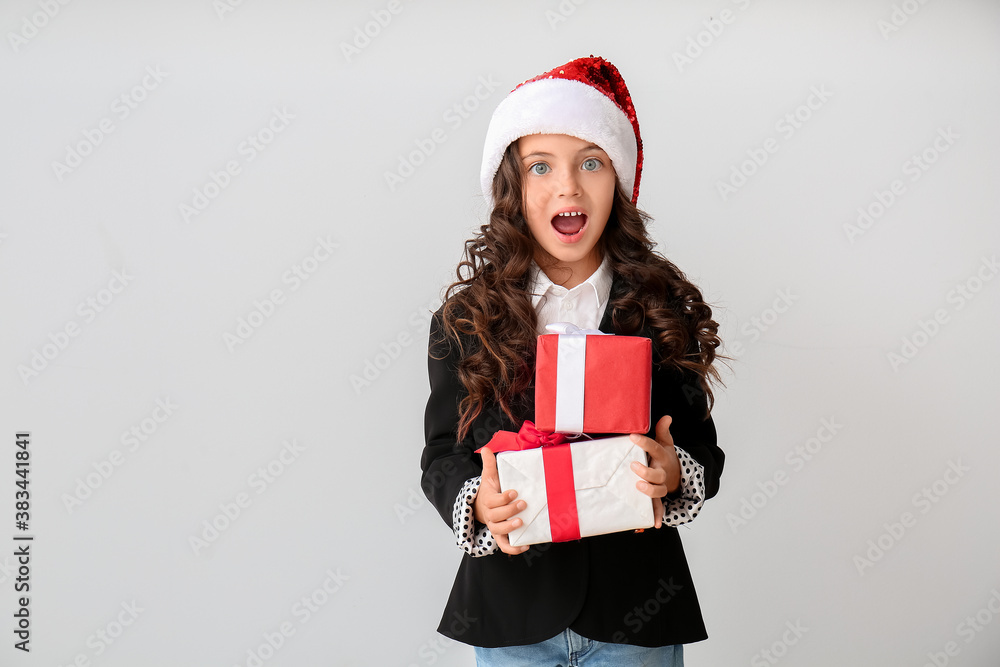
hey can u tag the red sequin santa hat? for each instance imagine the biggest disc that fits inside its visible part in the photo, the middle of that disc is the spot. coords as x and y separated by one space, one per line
585 98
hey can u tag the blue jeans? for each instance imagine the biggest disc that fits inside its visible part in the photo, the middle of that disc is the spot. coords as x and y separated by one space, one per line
568 649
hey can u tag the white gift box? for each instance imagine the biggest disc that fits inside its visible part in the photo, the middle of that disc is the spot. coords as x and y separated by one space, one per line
607 499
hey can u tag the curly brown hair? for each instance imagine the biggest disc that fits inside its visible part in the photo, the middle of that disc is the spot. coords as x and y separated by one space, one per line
492 304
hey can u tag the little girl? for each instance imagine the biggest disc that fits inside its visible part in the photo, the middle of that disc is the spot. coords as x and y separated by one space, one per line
565 242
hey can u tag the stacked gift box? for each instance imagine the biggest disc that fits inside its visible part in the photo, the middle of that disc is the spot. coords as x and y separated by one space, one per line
586 382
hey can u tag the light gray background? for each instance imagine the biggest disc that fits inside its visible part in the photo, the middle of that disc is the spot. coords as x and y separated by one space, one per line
349 502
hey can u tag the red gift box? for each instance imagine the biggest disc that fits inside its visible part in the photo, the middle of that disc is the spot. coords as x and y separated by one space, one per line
593 382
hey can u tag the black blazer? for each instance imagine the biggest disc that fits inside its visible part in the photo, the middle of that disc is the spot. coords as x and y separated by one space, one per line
625 588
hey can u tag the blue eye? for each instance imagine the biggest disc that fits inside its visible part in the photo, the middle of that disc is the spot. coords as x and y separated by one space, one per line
540 168
591 164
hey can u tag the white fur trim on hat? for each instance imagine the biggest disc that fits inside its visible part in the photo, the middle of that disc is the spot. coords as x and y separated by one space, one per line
560 106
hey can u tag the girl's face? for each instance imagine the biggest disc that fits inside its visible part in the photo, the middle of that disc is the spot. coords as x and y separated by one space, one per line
569 186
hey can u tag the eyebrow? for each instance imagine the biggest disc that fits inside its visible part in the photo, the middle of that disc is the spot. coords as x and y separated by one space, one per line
586 148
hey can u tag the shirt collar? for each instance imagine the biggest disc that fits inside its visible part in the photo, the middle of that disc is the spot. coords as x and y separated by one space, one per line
599 281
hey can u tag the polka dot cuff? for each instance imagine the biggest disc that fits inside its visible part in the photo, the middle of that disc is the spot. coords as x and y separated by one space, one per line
473 537
685 507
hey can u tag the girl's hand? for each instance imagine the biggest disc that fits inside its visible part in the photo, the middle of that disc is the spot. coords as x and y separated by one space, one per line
663 474
494 508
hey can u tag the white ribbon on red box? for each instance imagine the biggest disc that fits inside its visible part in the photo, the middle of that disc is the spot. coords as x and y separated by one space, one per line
571 369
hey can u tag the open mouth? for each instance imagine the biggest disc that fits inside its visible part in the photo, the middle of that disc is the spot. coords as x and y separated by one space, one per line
569 226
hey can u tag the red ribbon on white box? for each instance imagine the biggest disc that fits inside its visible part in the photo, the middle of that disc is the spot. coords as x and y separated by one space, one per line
571 369
560 489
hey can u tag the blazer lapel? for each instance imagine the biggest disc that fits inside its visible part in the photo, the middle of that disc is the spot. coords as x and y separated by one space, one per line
605 325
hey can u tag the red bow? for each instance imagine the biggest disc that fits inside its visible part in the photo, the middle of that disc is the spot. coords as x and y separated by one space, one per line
528 437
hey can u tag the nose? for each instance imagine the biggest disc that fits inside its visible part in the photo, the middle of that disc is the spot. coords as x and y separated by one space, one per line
567 183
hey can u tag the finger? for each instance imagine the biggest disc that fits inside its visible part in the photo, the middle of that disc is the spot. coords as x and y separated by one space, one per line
663 431
651 475
504 519
497 498
658 510
504 543
652 490
505 511
504 527
489 464
648 445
